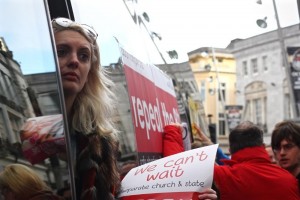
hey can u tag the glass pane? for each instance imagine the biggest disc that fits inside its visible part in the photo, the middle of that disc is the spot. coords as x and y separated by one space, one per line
129 35
29 92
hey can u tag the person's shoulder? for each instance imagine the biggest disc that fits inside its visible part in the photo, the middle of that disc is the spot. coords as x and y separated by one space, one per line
221 169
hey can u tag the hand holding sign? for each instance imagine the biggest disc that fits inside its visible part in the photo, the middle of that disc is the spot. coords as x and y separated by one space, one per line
187 173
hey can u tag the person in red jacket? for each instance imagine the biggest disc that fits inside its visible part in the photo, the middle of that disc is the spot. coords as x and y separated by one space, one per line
173 144
249 174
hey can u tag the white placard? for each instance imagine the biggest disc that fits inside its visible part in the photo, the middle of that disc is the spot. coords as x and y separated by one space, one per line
189 171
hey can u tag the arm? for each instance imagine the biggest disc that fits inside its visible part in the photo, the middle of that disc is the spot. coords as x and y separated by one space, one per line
220 156
172 140
203 138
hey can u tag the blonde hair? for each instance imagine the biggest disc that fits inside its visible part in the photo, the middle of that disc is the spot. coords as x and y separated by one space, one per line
94 105
22 181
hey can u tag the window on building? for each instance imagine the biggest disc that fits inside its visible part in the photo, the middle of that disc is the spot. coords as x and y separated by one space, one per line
245 68
21 57
256 104
3 91
221 124
254 66
3 129
10 87
222 92
248 113
265 63
258 111
16 124
202 89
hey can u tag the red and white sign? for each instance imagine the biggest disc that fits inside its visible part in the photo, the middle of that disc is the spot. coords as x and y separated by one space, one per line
181 176
153 105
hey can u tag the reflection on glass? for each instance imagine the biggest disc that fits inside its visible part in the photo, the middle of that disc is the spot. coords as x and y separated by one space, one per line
130 36
28 85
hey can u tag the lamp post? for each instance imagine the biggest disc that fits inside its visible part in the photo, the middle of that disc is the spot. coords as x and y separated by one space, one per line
263 24
217 90
220 93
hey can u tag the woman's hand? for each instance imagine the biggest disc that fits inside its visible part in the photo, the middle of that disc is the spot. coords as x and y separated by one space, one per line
208 194
201 135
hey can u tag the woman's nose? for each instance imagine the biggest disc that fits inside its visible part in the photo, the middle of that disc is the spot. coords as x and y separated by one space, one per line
73 60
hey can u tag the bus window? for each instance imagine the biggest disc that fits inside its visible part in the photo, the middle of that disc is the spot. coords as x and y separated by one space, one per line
29 92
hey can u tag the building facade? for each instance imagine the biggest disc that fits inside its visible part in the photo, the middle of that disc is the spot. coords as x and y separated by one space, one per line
15 108
214 71
261 83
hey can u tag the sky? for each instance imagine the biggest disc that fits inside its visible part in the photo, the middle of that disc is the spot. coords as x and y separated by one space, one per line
186 25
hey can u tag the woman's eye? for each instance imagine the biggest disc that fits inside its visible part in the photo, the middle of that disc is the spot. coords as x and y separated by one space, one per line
61 52
84 57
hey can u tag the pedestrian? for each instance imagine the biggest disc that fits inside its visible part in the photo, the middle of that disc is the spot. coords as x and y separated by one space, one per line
271 154
250 174
19 182
173 144
89 105
285 143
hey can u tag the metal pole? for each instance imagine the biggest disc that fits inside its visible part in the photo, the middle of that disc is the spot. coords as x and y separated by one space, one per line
220 92
286 63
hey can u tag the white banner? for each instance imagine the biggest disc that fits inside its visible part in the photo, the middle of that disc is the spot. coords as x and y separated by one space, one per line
189 171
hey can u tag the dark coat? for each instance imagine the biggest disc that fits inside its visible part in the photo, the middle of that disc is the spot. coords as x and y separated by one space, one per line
45 195
97 176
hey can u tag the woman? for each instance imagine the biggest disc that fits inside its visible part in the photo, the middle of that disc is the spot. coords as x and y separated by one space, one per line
88 102
20 182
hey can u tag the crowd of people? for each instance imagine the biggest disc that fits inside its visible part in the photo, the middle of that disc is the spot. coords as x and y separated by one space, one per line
251 171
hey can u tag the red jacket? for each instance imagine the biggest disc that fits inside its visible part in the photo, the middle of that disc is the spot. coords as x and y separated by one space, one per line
172 140
249 175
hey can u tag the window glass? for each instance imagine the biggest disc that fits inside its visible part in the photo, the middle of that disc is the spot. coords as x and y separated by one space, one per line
113 23
245 68
115 27
254 66
265 63
29 91
258 111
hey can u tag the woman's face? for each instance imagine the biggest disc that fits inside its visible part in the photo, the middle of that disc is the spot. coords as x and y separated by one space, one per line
74 56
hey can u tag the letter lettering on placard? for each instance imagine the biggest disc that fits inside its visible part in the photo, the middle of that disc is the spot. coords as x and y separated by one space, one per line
158 117
202 156
140 113
174 172
134 111
147 118
141 170
152 117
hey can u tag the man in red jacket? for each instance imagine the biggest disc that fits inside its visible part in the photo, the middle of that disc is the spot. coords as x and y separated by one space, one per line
250 174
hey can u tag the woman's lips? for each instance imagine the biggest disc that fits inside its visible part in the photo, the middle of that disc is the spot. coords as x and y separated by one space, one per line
71 76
